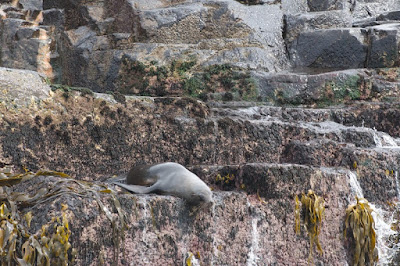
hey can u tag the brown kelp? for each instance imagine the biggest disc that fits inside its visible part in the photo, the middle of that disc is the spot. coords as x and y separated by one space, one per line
50 245
360 223
312 208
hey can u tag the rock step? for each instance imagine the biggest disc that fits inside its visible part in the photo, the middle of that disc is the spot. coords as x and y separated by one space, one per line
325 5
146 129
372 42
26 44
322 126
367 115
373 154
296 24
384 18
373 8
345 48
375 168
377 178
264 223
162 229
307 87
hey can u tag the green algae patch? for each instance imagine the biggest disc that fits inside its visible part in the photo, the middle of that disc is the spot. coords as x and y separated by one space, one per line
340 91
360 223
327 89
186 78
68 90
310 211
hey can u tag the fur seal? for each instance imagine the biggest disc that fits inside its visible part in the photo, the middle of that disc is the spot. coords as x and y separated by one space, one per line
167 179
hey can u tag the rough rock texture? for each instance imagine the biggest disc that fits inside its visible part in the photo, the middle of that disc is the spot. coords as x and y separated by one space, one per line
384 50
85 41
237 230
335 132
323 89
22 87
325 5
338 48
25 45
374 46
372 42
268 154
84 44
371 8
302 22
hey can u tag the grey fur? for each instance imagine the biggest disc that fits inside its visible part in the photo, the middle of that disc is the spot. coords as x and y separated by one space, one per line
168 179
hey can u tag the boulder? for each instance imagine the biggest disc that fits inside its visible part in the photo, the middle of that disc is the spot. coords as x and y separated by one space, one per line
31 4
363 9
330 49
384 46
54 17
389 16
21 88
305 22
25 46
300 88
294 6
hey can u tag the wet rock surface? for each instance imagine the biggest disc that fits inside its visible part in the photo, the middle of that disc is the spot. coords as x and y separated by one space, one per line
256 159
163 229
263 100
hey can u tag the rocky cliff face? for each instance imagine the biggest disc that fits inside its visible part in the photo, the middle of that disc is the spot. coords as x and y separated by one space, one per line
263 100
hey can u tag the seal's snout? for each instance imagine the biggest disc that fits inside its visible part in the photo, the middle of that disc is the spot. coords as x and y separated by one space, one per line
209 203
208 199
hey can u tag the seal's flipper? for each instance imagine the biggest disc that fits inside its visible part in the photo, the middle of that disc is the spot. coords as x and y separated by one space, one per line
134 188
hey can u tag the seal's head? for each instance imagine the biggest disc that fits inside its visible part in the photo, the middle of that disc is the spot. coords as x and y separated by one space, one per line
201 195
